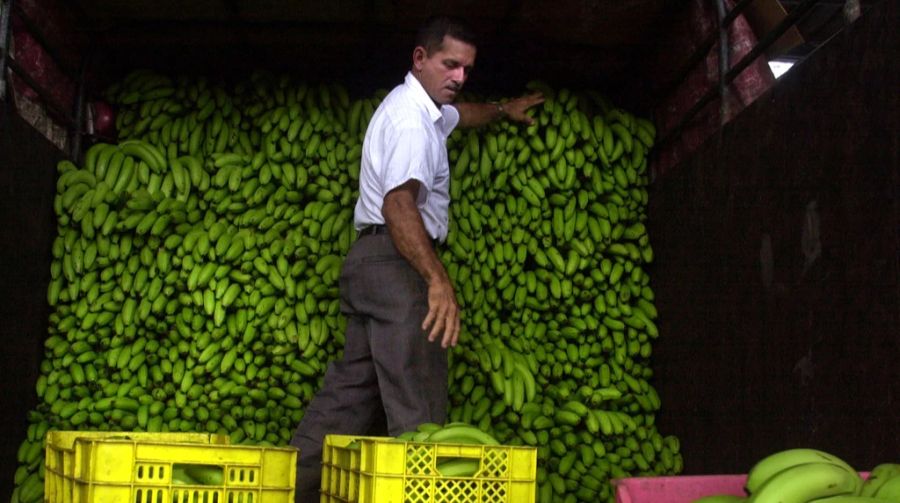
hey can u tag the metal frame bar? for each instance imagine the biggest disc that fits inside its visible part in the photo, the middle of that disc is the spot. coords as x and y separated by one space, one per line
5 31
75 133
837 13
72 120
42 94
41 39
703 50
761 45
724 63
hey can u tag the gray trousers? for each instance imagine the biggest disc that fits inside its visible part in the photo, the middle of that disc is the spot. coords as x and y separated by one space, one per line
389 369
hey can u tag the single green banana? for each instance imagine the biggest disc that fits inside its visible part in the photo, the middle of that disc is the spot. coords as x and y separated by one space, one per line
458 467
428 427
205 474
180 476
462 434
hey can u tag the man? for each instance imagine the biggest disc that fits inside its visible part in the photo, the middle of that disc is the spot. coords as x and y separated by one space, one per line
395 292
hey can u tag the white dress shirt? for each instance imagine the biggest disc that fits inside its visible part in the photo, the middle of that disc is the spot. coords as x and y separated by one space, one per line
407 139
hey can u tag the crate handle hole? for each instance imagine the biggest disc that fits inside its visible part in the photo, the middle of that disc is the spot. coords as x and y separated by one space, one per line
198 474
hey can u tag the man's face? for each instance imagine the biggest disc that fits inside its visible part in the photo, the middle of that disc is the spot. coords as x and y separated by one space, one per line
444 72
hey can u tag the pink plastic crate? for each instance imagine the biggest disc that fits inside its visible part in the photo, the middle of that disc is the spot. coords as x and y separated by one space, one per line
680 488
677 489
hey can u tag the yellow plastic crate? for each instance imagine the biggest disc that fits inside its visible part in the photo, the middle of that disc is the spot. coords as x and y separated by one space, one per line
136 467
385 470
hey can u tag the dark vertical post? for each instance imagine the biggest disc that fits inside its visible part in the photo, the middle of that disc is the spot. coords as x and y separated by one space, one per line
5 30
77 127
723 62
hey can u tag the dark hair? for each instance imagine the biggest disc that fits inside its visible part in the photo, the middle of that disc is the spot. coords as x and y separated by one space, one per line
432 32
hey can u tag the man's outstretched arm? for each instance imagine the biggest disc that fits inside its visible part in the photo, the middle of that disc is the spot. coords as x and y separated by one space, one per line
480 114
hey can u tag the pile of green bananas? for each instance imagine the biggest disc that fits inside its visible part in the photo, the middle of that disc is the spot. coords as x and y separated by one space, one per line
548 249
194 275
805 475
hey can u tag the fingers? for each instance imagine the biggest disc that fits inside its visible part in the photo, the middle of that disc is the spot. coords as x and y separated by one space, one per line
533 99
451 331
429 319
442 320
445 325
446 328
436 322
522 104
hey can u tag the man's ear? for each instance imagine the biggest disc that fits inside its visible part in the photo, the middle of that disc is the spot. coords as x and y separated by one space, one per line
419 57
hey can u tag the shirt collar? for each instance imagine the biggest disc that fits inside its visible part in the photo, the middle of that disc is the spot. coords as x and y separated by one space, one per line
422 97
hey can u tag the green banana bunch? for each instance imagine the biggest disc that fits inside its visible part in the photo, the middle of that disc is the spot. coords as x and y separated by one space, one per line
890 491
811 475
779 461
452 433
876 484
460 433
808 481
511 378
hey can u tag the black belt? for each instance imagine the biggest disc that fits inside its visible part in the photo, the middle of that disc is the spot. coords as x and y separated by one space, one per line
372 230
376 229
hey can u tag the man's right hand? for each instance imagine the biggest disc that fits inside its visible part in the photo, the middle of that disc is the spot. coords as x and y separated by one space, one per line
516 108
443 313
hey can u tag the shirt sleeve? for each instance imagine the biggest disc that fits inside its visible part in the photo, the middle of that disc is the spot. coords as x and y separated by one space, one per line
451 118
406 157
